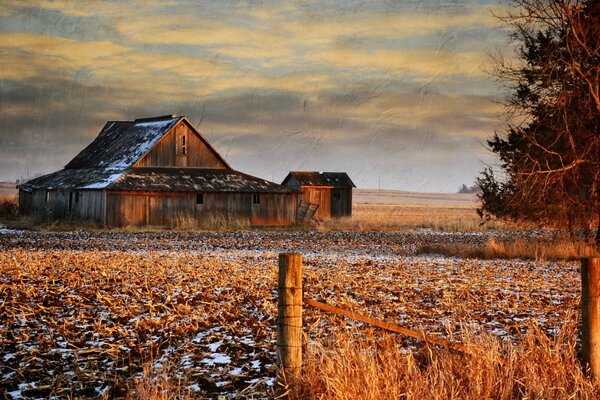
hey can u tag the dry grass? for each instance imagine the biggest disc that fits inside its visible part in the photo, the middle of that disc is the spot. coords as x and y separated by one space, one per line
396 217
213 221
9 207
157 383
538 366
524 249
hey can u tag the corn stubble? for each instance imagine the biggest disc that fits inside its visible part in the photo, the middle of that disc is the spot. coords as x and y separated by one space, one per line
111 315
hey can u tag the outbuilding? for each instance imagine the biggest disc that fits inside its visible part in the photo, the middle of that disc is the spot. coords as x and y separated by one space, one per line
155 171
331 192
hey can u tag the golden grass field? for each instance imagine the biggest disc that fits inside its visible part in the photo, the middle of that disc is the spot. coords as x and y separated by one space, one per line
159 314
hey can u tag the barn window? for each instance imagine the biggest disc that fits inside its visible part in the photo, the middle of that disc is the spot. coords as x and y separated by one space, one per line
76 197
199 198
181 144
336 196
256 199
47 196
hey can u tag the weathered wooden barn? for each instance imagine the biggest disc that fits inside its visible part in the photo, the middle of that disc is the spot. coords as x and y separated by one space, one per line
155 171
331 191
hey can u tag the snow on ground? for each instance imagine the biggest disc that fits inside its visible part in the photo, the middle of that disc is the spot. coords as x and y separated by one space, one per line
86 314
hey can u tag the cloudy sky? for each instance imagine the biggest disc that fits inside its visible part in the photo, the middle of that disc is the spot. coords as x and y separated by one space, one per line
393 92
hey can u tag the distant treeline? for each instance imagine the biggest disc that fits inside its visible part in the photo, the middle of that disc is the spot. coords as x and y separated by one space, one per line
474 188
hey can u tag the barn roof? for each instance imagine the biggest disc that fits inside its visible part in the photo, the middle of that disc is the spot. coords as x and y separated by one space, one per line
194 179
313 178
106 164
156 179
121 143
68 179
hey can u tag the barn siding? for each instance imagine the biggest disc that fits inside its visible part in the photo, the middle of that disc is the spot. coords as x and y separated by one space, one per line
320 196
61 204
161 209
89 206
341 202
32 203
167 152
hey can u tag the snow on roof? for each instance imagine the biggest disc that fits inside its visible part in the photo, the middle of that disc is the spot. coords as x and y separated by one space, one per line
194 179
106 164
68 179
121 143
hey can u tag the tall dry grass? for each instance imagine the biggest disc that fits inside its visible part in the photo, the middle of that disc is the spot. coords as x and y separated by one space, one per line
9 207
555 250
156 383
537 366
385 217
210 221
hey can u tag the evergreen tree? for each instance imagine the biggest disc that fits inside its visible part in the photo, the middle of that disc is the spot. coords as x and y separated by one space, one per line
550 153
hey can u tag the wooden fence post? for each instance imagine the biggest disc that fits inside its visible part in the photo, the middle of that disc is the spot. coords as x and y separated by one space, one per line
590 307
289 325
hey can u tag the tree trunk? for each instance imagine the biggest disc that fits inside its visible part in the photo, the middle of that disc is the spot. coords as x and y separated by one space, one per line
596 189
571 229
598 234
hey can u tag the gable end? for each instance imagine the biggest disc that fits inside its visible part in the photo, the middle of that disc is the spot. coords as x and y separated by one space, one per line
183 146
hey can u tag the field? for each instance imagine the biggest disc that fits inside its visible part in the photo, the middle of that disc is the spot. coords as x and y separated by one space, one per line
159 314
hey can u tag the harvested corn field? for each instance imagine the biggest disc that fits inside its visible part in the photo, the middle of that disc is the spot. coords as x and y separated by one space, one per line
96 315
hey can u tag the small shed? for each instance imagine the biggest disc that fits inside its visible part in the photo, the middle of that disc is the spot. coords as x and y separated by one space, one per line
155 171
331 191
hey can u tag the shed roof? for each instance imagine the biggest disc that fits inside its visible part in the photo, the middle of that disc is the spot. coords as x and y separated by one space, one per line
314 178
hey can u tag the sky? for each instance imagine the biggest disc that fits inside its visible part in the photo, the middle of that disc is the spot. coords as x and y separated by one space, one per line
395 93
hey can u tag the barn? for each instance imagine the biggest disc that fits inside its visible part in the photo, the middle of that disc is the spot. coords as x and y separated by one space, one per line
331 192
155 171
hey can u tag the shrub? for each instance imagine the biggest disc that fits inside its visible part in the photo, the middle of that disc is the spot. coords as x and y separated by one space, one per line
9 207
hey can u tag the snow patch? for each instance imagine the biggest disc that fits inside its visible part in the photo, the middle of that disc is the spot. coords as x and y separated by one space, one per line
216 358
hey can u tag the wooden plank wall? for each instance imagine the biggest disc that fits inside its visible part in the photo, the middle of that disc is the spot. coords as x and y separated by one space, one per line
165 152
341 202
32 203
161 209
88 206
320 196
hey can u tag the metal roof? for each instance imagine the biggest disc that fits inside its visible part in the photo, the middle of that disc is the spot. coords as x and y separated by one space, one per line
313 178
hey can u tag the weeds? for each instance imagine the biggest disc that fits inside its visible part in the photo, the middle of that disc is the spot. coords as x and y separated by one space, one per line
372 366
384 217
214 221
9 208
524 249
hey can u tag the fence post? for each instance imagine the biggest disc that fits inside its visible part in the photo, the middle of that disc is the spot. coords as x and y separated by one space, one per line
289 325
590 307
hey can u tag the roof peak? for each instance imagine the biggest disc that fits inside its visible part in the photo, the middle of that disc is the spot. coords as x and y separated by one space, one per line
159 118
